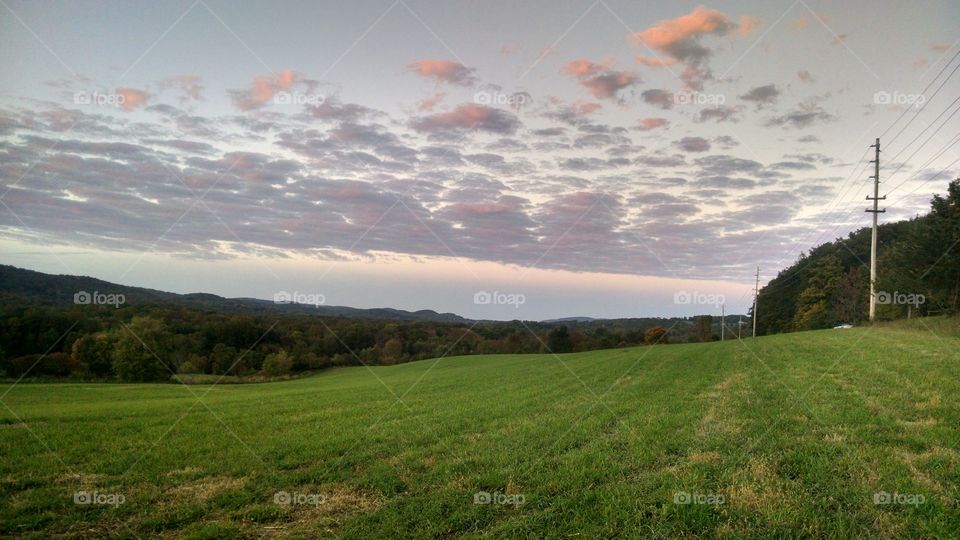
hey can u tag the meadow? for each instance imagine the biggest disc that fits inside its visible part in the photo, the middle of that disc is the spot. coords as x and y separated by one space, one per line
829 434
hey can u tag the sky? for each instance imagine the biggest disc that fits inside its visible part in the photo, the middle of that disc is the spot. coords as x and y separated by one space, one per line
498 160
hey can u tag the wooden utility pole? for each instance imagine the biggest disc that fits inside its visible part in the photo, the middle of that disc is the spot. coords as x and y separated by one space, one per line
721 321
756 292
873 238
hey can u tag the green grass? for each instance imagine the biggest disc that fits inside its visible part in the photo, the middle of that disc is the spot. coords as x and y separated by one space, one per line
795 432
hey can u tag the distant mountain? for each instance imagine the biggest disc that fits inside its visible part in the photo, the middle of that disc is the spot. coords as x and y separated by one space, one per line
571 320
50 289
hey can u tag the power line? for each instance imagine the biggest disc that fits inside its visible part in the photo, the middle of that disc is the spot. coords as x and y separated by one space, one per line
929 179
904 162
929 125
954 142
924 91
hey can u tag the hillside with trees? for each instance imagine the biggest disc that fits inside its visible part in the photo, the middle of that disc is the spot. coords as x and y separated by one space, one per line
918 274
153 334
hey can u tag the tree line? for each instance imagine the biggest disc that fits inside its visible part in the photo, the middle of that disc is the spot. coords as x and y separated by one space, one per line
151 342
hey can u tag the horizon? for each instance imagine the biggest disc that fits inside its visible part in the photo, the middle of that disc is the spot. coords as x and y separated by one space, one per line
609 162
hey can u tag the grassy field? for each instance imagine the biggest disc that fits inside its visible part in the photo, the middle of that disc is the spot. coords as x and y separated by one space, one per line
794 435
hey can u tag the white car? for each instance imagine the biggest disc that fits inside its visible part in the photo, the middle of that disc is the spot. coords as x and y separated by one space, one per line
842 326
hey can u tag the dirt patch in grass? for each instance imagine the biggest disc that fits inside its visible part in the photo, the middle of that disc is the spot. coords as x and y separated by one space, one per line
919 424
718 417
711 456
756 487
917 462
204 489
340 503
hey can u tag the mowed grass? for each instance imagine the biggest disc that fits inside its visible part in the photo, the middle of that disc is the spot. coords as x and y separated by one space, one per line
787 436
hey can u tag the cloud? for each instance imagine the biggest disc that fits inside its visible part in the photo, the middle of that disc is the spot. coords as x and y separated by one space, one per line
655 62
802 118
718 114
332 109
574 113
263 89
647 124
726 142
660 98
189 86
693 144
762 95
445 71
802 22
748 25
680 39
599 80
428 104
132 98
469 116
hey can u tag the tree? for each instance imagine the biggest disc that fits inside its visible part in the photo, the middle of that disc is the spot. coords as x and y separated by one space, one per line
93 353
392 351
703 328
558 340
654 335
278 363
816 307
138 351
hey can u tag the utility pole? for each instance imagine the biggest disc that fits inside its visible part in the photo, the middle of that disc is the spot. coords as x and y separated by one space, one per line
873 239
739 326
721 321
756 292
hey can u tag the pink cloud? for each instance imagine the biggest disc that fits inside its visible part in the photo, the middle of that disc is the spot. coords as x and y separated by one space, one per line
470 116
132 98
646 124
651 61
748 25
431 102
263 88
444 71
598 79
680 39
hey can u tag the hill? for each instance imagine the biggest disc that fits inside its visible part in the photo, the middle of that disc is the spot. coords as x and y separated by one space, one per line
918 274
826 434
59 290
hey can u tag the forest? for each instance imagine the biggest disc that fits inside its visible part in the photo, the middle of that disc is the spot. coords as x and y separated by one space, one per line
154 341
